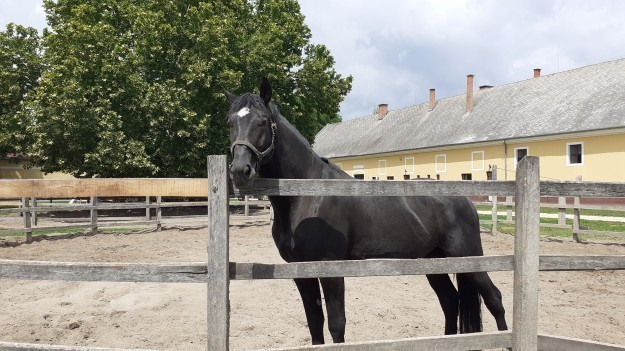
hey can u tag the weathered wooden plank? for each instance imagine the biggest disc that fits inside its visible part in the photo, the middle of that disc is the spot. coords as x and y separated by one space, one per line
583 189
576 214
459 342
196 187
561 210
600 232
27 220
196 271
351 187
93 214
16 346
526 262
218 308
127 206
111 272
374 267
562 343
103 187
159 213
580 263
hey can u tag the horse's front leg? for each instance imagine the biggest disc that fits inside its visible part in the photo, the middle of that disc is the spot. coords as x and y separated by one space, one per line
311 297
334 294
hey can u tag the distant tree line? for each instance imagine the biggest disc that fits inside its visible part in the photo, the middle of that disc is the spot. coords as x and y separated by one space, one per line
126 88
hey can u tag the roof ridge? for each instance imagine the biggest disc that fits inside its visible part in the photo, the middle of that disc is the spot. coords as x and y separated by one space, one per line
493 87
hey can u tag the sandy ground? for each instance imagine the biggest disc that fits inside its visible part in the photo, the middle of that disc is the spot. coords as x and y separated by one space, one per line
588 305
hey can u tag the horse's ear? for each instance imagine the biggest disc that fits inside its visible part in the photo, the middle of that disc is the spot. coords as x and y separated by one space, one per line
230 96
265 90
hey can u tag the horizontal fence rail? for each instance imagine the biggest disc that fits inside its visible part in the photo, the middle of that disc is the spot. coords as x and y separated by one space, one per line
197 187
459 342
195 272
16 346
560 343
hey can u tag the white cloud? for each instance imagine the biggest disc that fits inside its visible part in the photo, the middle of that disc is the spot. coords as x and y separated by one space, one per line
397 50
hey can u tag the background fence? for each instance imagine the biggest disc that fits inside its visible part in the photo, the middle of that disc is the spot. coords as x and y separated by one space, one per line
218 271
31 207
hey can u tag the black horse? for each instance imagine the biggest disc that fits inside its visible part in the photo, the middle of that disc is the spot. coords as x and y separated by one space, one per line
353 228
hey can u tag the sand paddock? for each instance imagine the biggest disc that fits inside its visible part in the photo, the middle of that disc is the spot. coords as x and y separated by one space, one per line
588 305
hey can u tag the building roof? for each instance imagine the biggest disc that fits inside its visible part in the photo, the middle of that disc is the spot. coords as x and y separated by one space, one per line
583 99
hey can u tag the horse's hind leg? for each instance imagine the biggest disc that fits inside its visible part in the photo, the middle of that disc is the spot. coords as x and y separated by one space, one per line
448 298
491 296
311 297
334 294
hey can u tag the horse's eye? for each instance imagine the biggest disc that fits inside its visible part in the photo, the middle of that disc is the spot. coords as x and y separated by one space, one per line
262 123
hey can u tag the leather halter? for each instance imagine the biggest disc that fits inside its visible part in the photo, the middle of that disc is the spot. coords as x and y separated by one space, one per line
259 155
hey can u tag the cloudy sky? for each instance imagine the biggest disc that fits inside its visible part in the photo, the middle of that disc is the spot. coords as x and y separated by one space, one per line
397 49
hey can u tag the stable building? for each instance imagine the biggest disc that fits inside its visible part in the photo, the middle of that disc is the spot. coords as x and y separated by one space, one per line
573 120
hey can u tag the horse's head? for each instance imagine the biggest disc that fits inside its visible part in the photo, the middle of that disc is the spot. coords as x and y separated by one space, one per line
252 133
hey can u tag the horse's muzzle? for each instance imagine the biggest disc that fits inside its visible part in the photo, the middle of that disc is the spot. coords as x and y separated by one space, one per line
243 169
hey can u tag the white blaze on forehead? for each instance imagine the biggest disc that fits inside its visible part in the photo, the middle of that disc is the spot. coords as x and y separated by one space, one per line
243 112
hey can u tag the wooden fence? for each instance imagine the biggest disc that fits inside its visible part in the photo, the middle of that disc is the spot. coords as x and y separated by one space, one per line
562 206
218 271
30 208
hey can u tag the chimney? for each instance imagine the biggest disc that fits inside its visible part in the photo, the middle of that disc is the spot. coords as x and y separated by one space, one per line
382 110
432 98
469 92
536 72
484 87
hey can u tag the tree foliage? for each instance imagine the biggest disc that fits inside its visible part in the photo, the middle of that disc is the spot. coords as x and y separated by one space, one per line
135 88
20 68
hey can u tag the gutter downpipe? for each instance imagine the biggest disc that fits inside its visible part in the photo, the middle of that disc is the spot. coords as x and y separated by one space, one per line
505 160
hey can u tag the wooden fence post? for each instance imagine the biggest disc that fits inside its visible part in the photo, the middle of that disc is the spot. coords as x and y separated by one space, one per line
27 220
218 265
526 242
562 210
493 230
247 205
159 200
576 214
94 215
33 213
509 208
147 209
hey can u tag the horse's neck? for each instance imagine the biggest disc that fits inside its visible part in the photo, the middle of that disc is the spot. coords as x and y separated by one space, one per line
293 157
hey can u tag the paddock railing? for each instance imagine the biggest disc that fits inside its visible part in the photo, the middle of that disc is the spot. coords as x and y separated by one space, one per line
218 270
561 206
31 207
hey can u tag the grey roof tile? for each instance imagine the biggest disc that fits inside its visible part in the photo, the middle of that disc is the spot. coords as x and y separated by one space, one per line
582 99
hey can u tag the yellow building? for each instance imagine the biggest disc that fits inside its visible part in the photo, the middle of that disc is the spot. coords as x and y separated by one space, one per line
574 121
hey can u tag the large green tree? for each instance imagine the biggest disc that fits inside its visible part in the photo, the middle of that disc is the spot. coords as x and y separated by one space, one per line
20 69
135 88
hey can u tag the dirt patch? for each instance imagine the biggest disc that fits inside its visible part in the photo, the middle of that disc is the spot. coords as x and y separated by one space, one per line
267 314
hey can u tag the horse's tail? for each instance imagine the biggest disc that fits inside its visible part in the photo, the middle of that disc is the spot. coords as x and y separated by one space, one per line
470 306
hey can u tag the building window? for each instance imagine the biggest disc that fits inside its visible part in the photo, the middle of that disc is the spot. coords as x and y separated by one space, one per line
406 177
519 153
438 177
467 176
575 154
359 174
381 167
489 175
390 178
477 160
440 163
409 165
374 178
